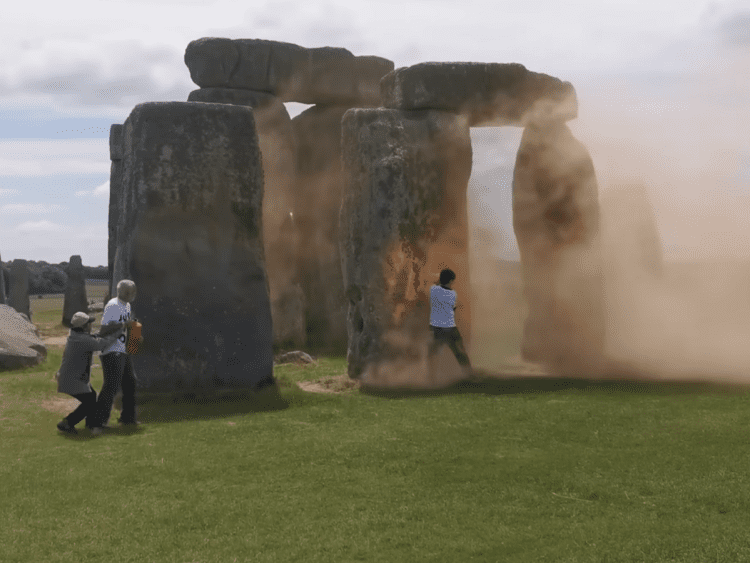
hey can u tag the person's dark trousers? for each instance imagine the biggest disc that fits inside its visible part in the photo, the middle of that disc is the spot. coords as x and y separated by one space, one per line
87 409
452 338
118 373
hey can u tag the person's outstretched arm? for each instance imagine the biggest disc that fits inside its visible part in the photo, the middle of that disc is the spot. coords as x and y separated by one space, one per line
110 328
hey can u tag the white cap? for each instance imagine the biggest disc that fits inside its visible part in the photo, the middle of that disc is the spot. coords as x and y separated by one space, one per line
80 320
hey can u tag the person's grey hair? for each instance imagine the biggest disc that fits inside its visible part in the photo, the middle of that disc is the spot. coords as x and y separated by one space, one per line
125 284
126 288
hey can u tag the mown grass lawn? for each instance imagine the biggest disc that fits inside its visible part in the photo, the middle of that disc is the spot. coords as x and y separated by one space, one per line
544 470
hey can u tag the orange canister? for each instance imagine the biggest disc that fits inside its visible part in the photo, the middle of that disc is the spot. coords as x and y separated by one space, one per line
134 337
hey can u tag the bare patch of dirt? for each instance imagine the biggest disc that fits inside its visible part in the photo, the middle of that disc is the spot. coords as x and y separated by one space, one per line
61 405
519 366
55 341
334 384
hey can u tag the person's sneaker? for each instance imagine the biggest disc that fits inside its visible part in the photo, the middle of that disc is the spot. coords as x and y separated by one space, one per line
97 431
64 426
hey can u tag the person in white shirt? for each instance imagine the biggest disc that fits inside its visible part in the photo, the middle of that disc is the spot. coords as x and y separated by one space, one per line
442 318
117 366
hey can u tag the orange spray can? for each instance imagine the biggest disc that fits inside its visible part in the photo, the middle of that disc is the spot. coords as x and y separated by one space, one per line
134 337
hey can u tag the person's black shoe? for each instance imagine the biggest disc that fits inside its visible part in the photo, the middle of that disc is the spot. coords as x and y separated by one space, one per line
128 422
64 426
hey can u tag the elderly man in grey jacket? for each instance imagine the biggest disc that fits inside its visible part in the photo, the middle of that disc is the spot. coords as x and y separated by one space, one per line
74 377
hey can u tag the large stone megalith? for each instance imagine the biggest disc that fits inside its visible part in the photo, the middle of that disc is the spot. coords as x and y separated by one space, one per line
556 222
19 287
190 234
403 219
404 205
317 206
278 151
75 291
115 198
253 72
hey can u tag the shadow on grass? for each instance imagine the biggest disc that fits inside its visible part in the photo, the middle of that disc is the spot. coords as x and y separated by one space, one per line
176 408
494 384
117 430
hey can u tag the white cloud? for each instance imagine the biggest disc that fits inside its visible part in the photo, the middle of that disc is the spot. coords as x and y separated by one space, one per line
46 157
55 241
24 208
97 54
4 192
42 226
101 191
94 233
106 74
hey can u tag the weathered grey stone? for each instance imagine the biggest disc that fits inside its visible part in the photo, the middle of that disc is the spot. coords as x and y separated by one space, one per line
19 287
115 141
191 237
339 78
317 205
403 219
75 292
115 195
487 93
252 64
325 75
212 61
20 344
3 299
556 222
279 153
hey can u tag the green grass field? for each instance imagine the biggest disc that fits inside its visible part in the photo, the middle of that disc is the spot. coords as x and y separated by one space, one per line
527 470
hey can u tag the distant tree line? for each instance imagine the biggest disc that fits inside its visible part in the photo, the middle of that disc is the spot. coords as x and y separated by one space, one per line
47 278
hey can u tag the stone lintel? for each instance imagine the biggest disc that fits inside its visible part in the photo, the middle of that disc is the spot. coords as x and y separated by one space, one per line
488 93
323 75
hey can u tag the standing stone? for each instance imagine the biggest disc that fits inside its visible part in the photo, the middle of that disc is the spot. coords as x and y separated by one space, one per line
75 291
279 154
115 198
19 287
631 237
3 299
556 222
403 219
191 237
317 205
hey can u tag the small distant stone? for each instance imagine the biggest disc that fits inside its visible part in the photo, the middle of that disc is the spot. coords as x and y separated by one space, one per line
296 357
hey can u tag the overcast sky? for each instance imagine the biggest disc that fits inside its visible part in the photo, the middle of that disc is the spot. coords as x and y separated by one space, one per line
663 85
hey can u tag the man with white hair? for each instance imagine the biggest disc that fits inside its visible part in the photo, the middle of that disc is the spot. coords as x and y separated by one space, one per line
116 363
